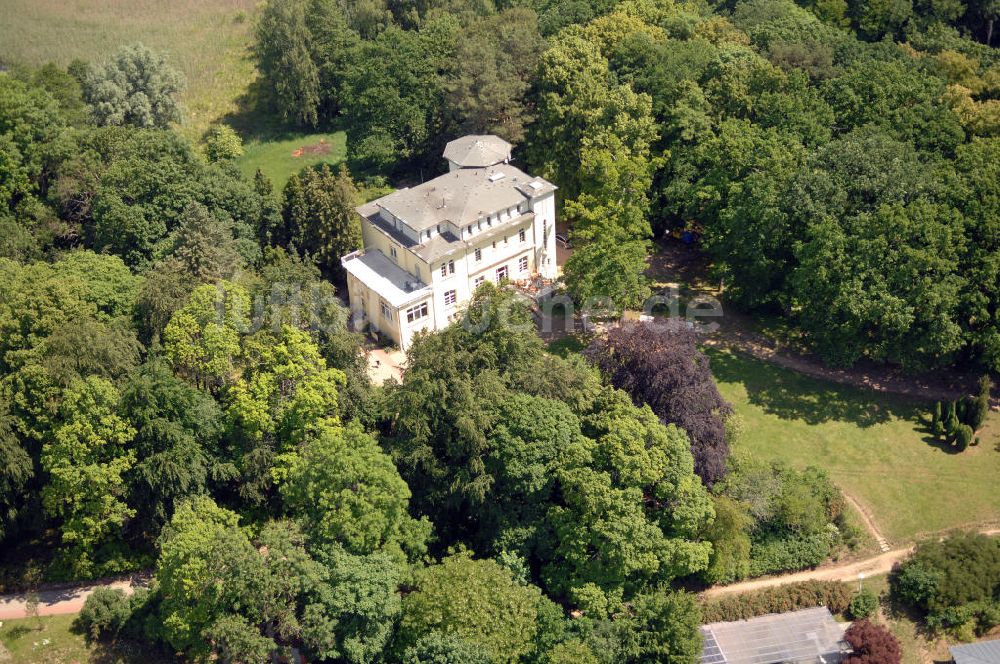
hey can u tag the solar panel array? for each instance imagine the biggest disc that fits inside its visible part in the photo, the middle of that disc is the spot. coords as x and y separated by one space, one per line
810 635
711 653
985 652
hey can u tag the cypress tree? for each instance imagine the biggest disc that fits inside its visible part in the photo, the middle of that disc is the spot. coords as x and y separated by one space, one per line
294 212
963 436
269 227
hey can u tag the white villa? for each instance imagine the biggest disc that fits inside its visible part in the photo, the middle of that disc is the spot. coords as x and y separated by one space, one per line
427 248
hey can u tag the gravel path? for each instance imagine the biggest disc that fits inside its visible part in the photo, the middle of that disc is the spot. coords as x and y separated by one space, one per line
61 601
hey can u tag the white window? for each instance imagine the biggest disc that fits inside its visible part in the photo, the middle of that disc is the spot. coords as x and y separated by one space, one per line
522 264
520 235
505 239
386 311
416 313
479 254
392 250
478 281
444 270
451 267
501 273
450 297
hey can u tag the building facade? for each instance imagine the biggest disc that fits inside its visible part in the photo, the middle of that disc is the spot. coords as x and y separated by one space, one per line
427 248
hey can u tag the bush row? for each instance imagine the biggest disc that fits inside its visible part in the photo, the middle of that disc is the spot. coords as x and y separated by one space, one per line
834 595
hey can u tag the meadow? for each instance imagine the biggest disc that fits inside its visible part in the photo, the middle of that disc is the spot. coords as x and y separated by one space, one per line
876 447
207 40
280 156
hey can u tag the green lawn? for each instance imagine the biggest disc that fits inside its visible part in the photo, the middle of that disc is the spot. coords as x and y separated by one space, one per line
51 640
206 39
278 159
873 445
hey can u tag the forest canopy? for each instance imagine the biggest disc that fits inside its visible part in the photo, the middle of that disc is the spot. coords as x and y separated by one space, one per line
181 391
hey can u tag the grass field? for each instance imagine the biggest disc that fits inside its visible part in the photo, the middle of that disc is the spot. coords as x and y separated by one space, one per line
206 39
51 640
874 446
279 158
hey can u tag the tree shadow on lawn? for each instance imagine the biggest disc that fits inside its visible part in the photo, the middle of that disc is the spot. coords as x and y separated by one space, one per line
934 440
791 396
124 651
256 119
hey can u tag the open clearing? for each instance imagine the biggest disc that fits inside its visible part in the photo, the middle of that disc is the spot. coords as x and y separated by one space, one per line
51 640
205 39
278 159
875 447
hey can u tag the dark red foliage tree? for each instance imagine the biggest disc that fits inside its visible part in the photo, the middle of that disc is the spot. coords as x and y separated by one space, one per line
872 644
661 365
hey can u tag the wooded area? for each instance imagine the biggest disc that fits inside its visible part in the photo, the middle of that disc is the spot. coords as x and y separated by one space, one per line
179 389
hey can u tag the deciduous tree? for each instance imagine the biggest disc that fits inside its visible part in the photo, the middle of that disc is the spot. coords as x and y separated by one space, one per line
136 87
872 644
85 462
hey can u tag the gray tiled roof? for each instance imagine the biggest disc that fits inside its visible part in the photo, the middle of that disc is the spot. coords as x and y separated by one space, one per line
985 652
807 636
462 196
478 151
440 246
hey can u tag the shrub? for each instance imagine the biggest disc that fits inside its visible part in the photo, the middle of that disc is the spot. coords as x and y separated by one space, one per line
872 644
222 142
791 553
953 581
109 612
104 613
834 595
863 605
963 436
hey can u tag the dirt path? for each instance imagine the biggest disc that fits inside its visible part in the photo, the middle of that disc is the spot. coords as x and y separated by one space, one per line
869 521
62 601
880 564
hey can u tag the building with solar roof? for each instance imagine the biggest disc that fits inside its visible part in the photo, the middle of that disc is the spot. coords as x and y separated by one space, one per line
986 652
810 636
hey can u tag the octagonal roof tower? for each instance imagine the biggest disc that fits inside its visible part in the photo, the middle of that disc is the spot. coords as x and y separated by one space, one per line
477 151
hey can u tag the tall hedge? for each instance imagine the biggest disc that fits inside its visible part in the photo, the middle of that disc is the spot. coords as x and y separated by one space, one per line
834 595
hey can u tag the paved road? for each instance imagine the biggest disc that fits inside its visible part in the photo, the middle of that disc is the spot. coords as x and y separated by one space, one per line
61 601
